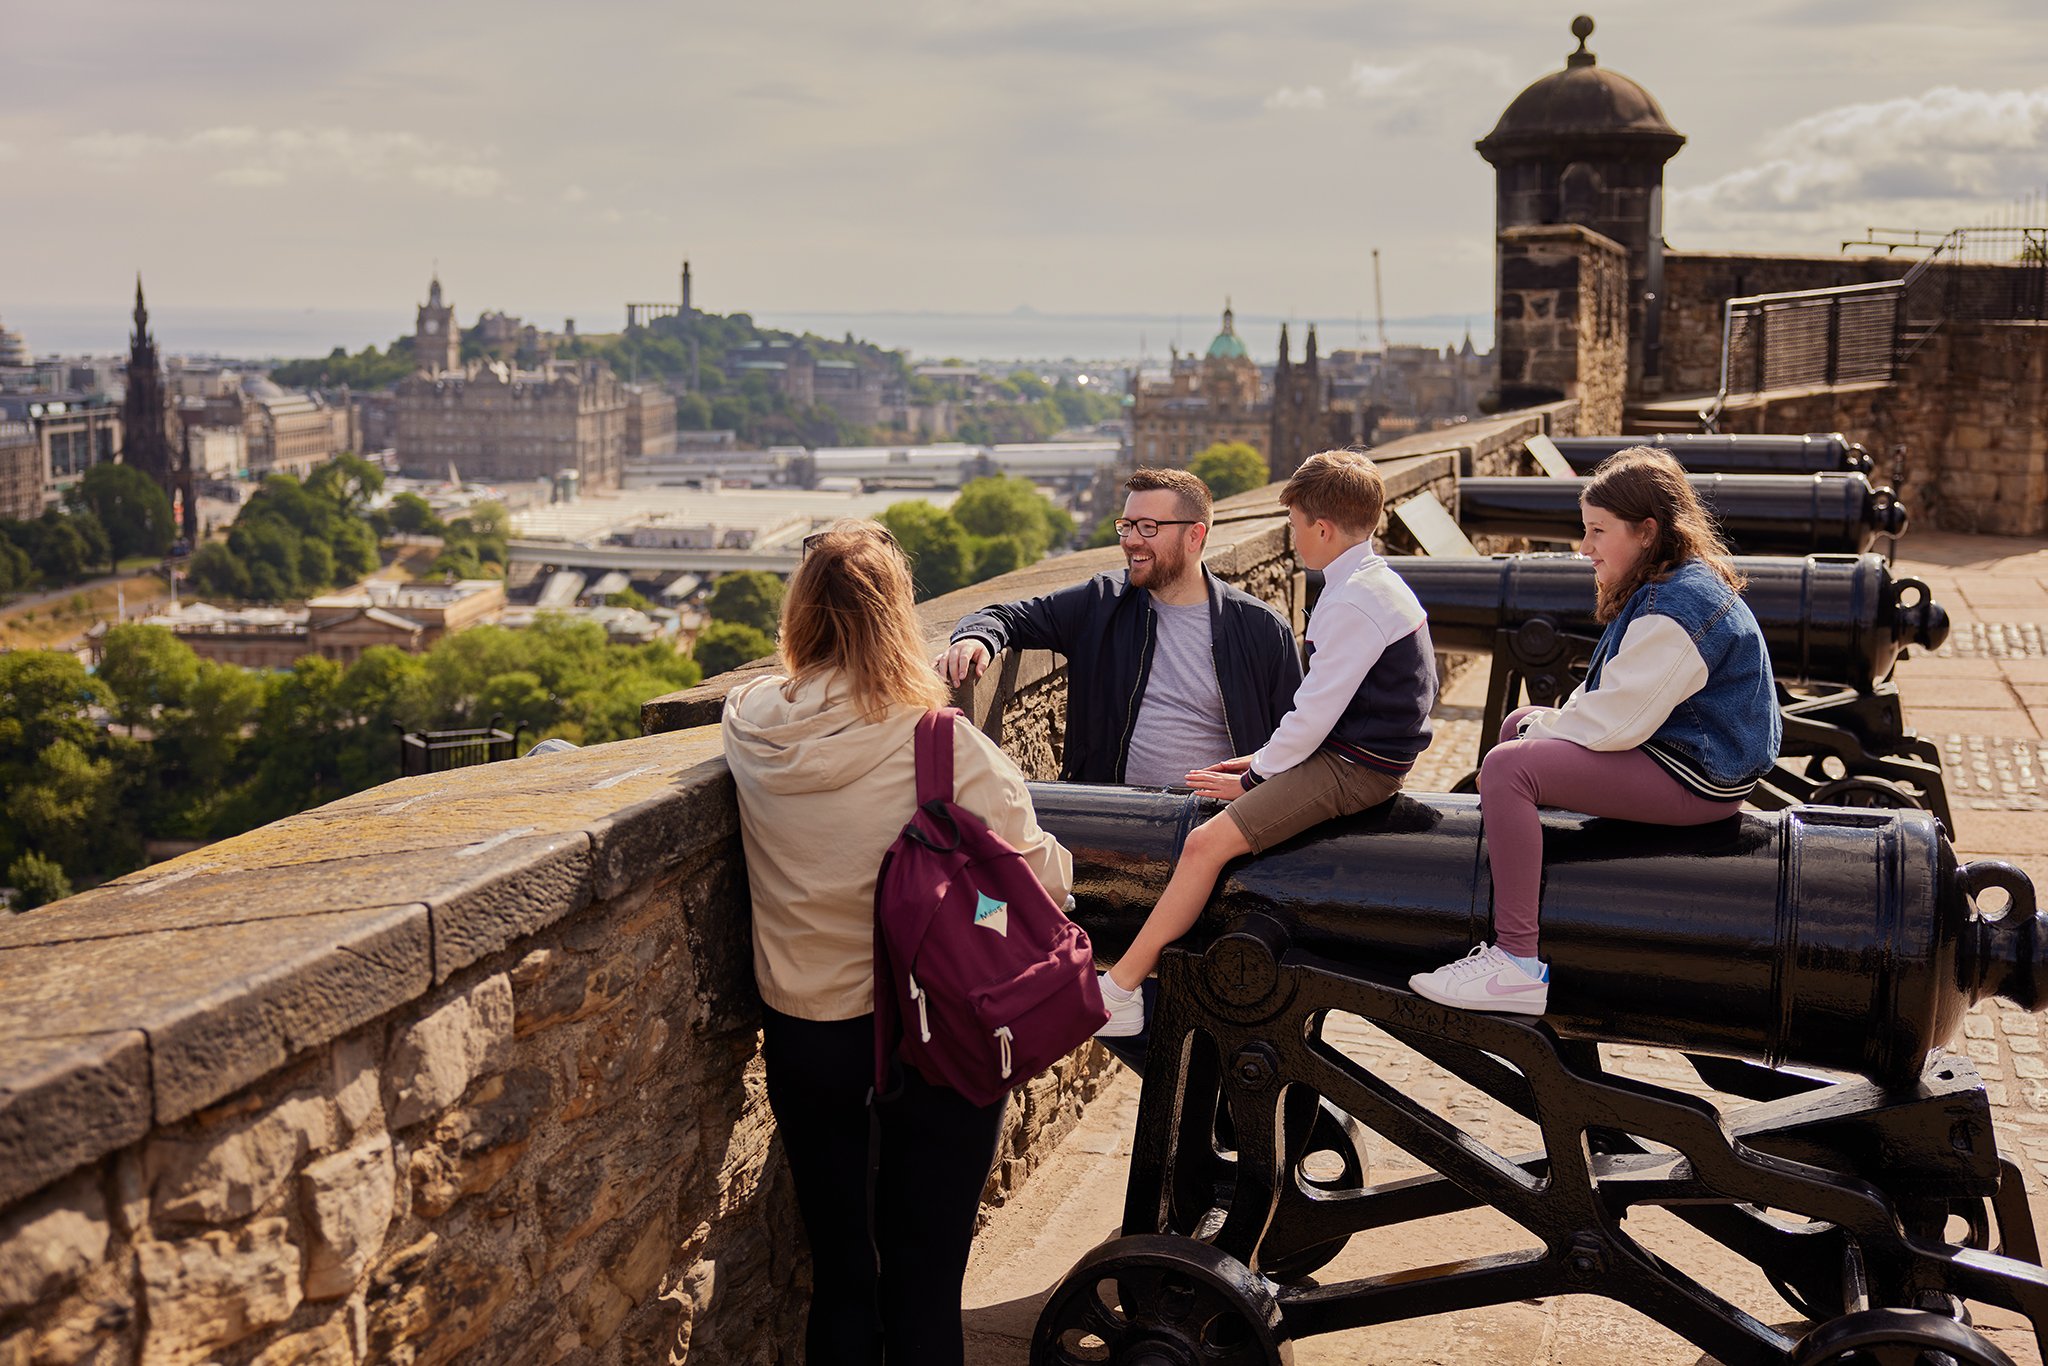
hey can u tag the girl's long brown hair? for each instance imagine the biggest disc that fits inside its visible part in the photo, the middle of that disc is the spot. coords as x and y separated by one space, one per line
849 608
1643 482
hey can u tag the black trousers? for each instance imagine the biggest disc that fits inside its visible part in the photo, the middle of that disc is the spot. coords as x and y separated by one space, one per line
886 1284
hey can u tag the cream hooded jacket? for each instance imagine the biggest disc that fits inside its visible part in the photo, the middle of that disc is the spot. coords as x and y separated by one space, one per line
823 794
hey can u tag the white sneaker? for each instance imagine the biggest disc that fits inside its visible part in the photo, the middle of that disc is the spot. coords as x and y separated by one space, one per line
1484 979
1126 1010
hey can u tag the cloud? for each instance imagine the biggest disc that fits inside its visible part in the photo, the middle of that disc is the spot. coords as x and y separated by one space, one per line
575 194
253 158
1287 97
1433 70
1945 145
8 151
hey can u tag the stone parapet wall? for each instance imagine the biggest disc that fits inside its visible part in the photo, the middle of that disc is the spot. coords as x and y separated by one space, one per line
465 1066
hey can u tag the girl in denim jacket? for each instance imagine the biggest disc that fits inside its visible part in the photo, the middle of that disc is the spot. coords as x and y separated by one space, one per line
1674 725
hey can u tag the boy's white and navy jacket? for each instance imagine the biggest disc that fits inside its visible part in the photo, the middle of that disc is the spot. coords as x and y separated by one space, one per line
1371 674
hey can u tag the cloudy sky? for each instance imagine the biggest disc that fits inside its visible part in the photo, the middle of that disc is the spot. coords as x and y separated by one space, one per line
1070 156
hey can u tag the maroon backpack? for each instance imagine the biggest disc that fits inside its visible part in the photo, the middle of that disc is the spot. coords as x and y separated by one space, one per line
981 982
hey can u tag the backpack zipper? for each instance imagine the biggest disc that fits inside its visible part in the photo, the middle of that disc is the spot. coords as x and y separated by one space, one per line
919 995
1003 1042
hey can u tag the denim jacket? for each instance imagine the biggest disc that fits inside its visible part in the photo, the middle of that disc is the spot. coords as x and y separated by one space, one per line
1724 737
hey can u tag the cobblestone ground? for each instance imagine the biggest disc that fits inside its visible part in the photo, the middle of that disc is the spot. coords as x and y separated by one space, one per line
1983 698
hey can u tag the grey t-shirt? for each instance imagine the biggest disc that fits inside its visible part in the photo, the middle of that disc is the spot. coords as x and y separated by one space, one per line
1180 721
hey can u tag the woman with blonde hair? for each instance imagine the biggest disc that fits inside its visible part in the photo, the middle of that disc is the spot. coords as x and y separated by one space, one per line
1674 725
823 757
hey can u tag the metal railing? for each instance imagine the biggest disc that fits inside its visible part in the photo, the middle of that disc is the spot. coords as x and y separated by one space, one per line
1853 333
437 751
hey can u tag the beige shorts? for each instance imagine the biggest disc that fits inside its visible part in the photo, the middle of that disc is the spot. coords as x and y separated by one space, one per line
1320 788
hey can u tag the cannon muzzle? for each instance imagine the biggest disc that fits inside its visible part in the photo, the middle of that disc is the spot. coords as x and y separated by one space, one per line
1823 936
1759 514
1827 619
1707 453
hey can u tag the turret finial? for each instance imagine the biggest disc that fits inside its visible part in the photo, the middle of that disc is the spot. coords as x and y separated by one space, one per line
1582 29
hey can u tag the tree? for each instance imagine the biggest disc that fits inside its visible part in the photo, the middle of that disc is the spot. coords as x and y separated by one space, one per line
219 572
940 551
629 597
995 555
61 553
411 515
725 645
37 881
748 597
1230 467
1003 505
130 506
69 806
45 697
148 669
16 572
348 481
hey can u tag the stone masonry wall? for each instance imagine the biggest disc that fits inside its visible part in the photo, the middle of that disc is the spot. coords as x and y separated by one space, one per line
1563 322
1697 284
1962 434
464 1066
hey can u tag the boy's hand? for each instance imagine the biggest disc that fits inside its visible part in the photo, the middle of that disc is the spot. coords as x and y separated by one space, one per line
1213 782
1237 765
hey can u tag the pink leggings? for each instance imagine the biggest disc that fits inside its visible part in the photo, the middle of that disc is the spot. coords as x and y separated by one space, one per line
1521 775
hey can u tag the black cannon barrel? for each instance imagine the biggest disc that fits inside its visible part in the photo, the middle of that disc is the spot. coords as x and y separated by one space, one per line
1818 936
1759 514
1828 619
1709 453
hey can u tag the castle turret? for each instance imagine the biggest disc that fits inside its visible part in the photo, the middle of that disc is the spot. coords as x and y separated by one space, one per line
1587 145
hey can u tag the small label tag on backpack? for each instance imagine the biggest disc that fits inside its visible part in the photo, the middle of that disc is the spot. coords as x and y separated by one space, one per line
994 915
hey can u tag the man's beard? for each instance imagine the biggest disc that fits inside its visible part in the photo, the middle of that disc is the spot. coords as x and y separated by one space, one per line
1166 566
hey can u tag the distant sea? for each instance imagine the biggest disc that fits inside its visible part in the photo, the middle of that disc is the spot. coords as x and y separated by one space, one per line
281 333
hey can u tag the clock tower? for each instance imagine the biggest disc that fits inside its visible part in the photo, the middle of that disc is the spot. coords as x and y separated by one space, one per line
436 345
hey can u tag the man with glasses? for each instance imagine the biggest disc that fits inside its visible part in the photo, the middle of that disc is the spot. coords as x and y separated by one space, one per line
1169 669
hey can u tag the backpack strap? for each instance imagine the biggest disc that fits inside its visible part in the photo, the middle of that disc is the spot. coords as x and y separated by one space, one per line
935 755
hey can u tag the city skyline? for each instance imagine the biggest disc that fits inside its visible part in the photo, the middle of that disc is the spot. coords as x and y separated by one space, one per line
1143 160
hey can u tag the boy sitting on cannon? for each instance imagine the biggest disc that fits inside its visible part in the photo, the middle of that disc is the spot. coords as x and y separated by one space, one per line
1359 719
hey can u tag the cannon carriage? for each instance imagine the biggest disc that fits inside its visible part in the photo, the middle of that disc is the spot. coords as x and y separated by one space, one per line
1835 626
1837 939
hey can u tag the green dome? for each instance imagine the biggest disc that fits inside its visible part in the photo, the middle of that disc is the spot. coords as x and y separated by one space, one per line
1227 347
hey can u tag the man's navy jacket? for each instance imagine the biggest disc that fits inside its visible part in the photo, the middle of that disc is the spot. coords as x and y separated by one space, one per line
1107 630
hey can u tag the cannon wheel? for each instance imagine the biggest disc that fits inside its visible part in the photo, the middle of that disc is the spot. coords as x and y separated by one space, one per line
1896 1337
1153 1297
1467 784
1866 792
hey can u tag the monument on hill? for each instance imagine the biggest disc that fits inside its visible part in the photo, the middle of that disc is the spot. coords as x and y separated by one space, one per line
145 423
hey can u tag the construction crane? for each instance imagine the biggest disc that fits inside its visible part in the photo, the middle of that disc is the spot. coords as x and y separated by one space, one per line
1379 306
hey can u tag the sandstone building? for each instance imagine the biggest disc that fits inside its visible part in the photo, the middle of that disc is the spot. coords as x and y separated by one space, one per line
21 473
1223 396
492 422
